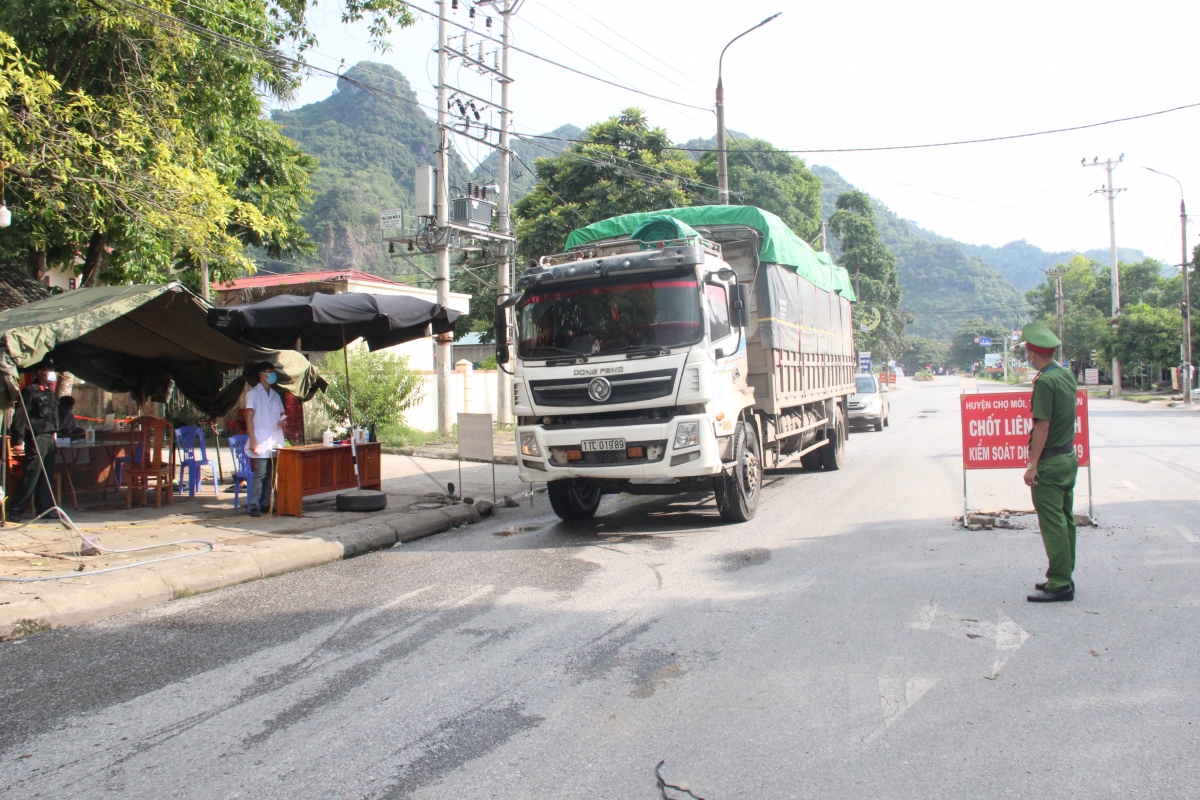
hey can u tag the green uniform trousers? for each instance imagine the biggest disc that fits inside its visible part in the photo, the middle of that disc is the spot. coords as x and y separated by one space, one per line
1054 499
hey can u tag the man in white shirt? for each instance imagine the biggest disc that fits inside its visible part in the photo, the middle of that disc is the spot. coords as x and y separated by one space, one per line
264 417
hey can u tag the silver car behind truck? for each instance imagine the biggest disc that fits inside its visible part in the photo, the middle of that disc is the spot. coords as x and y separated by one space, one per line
869 404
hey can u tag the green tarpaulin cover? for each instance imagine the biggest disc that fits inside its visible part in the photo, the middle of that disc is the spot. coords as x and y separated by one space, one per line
138 339
780 245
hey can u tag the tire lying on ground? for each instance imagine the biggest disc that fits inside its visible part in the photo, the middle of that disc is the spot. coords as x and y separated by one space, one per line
361 500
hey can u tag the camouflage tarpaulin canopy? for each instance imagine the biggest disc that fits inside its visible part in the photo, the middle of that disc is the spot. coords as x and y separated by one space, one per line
138 339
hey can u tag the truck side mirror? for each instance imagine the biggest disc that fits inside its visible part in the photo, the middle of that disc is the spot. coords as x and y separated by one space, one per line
501 326
739 305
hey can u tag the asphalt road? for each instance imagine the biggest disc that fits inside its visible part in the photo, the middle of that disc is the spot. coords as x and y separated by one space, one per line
850 642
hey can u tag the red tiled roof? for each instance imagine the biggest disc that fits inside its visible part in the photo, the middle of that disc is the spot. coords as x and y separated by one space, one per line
295 278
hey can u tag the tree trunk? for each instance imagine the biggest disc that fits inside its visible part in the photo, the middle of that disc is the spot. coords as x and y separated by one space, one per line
92 259
37 264
66 384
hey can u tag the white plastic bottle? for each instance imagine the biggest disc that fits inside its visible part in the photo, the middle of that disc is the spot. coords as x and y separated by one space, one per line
327 437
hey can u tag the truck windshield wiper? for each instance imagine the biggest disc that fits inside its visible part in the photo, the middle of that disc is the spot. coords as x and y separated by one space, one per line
571 357
648 350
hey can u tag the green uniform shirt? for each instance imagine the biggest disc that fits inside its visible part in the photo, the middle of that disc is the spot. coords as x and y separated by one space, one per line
1054 401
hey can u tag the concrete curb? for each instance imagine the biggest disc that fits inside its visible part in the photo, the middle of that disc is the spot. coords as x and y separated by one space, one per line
33 607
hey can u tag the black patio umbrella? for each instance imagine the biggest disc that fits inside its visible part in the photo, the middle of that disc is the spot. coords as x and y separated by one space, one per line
326 322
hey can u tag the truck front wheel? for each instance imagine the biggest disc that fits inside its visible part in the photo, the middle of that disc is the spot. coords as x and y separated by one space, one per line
737 492
574 499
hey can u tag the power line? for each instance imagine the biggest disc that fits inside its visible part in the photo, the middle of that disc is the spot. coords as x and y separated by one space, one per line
560 65
932 144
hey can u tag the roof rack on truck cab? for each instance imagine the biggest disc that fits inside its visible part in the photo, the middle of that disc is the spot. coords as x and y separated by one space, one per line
625 244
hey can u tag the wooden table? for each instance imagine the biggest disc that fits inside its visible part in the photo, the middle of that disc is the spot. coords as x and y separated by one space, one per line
316 469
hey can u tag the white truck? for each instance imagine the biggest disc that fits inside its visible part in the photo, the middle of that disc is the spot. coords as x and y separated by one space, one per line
676 351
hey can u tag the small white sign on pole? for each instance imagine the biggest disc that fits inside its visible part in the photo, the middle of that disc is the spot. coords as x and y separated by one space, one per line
1091 377
475 443
475 437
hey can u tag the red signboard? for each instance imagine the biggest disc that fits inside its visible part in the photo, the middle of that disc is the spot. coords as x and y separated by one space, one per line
996 428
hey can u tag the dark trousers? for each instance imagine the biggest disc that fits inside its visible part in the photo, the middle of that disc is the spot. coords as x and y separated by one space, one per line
259 495
34 483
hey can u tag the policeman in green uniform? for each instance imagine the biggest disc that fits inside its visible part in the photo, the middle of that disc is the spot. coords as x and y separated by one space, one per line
1052 466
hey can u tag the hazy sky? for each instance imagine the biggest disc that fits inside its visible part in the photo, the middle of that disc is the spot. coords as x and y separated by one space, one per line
864 73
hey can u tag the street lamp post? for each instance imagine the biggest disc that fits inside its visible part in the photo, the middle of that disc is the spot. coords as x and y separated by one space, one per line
1187 297
722 159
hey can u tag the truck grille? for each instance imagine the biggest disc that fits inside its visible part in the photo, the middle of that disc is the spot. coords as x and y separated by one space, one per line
653 451
627 388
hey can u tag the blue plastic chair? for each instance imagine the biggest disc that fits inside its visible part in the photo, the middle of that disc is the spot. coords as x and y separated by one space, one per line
189 439
121 461
242 469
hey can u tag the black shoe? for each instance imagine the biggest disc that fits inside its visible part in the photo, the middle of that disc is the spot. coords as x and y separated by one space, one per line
1041 587
254 512
1046 596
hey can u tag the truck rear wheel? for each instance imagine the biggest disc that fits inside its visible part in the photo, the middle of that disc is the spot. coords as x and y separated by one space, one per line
833 454
737 493
574 499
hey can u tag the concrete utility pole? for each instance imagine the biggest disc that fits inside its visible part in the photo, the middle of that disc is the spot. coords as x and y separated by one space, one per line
442 248
824 237
722 156
1111 194
504 268
1186 306
1058 302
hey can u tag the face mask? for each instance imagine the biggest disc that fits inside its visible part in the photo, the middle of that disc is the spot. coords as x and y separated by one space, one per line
51 377
271 378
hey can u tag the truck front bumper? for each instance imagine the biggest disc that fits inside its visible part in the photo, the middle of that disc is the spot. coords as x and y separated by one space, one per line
559 453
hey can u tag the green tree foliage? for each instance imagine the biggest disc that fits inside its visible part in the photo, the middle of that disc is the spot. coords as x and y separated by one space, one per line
921 351
133 139
1147 335
772 180
1150 325
624 167
873 269
382 387
964 351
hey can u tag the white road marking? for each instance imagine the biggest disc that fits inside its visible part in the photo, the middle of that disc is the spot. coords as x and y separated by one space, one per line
925 615
1009 638
388 606
1187 534
475 595
898 695
1129 485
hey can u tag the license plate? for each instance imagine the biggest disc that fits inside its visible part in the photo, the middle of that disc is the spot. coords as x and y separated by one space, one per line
594 445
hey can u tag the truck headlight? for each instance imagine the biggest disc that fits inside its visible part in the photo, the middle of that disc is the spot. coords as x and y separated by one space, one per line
529 445
687 434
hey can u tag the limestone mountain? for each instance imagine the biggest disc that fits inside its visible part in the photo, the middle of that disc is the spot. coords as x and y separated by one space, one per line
369 146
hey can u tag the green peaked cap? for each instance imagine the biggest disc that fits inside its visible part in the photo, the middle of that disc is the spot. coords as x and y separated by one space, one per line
1038 335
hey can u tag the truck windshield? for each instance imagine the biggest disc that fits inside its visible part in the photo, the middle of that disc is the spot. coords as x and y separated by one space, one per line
605 317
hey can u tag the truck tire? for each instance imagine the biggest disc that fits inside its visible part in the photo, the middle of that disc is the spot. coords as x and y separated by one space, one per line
811 461
737 493
833 455
574 499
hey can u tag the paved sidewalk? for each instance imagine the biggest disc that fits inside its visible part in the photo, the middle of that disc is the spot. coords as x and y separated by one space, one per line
504 444
242 548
